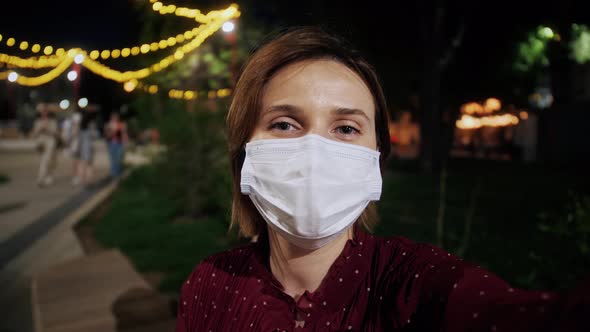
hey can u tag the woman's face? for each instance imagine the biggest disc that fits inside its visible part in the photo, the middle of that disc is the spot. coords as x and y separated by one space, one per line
320 97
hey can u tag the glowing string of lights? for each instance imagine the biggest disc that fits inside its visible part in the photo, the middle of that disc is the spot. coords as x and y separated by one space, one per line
195 14
133 85
41 79
115 75
202 33
227 13
194 94
33 62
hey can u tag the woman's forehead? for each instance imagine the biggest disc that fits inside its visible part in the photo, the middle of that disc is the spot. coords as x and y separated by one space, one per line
318 83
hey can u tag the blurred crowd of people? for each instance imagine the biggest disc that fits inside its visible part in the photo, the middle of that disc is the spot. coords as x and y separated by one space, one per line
75 136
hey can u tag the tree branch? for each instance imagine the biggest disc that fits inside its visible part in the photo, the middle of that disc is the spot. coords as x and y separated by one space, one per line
455 43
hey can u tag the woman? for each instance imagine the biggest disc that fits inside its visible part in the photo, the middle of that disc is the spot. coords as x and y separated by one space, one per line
85 149
46 133
116 134
308 132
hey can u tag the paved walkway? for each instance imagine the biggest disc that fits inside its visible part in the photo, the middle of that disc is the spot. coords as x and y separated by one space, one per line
34 230
99 293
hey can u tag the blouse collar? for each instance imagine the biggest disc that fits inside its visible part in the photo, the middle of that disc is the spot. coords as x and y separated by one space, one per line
347 272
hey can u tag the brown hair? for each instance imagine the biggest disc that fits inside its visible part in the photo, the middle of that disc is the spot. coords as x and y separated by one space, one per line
294 45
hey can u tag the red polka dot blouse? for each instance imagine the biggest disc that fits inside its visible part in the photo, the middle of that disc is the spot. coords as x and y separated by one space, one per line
376 284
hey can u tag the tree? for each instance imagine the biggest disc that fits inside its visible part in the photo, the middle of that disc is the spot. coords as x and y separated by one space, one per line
438 48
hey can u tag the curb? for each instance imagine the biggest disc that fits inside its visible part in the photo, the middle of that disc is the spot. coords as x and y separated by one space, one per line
68 224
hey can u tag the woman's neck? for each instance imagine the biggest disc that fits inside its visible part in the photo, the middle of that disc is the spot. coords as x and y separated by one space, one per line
299 269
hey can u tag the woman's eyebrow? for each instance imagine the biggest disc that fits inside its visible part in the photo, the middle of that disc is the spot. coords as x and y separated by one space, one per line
283 108
350 111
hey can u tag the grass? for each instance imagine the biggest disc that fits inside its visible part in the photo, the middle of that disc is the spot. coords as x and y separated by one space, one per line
505 237
144 222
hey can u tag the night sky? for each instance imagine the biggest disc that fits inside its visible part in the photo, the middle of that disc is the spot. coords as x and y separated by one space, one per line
387 32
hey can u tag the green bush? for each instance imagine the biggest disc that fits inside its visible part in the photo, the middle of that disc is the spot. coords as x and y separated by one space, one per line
568 232
196 164
171 214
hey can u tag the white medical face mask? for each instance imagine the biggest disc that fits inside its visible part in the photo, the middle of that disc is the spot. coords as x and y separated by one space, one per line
310 189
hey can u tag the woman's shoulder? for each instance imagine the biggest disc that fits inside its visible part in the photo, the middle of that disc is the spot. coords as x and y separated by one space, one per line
225 264
411 257
394 246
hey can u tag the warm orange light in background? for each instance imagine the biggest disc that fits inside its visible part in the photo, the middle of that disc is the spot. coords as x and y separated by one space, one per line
153 89
492 105
524 115
472 108
129 86
470 122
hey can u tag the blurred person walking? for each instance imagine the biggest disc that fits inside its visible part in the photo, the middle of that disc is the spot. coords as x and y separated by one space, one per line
46 133
84 153
70 132
116 135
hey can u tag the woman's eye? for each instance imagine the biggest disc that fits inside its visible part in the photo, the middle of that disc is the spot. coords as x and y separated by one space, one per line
282 126
347 130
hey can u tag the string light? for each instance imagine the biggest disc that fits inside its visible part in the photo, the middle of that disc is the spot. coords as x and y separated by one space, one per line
60 62
194 94
195 14
47 77
12 77
203 32
130 86
34 62
115 53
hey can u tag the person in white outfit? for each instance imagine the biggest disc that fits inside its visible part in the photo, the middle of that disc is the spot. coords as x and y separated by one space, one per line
45 132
